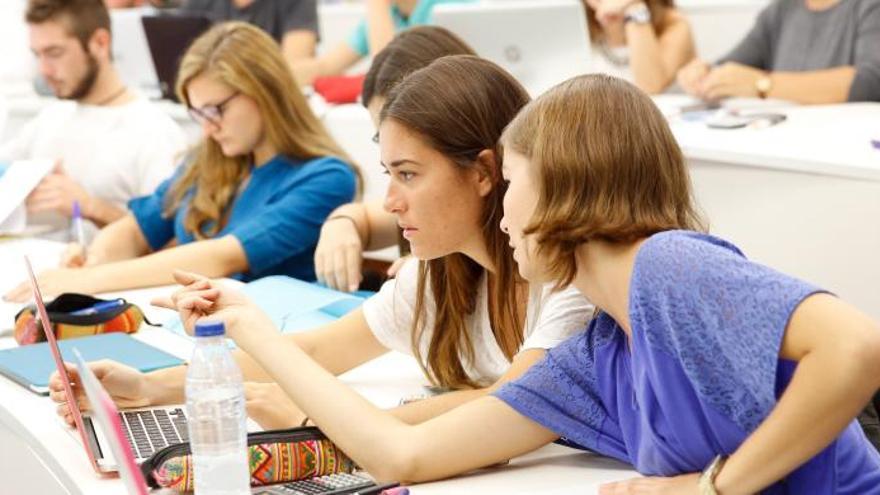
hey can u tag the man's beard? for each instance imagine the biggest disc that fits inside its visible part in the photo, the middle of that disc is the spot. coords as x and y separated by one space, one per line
85 83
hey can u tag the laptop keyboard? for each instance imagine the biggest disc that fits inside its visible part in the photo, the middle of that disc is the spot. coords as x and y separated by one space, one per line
151 430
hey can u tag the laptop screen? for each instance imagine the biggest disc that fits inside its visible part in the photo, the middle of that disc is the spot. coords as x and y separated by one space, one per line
107 416
59 364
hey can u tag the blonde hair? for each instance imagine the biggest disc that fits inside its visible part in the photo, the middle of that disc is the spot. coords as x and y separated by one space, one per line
606 166
247 60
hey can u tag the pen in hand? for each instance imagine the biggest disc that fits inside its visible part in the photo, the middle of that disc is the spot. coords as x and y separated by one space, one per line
76 230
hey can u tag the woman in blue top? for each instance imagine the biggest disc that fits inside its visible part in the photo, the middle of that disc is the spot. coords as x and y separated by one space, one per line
698 359
383 19
252 196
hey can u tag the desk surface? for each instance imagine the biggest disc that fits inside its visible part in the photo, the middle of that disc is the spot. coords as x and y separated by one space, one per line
552 469
825 139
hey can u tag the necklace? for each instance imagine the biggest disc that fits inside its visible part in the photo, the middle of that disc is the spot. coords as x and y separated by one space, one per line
112 97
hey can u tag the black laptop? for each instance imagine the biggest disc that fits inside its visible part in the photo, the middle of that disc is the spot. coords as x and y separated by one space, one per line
169 36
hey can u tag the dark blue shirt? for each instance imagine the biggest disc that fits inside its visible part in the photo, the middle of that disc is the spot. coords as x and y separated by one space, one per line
277 217
701 373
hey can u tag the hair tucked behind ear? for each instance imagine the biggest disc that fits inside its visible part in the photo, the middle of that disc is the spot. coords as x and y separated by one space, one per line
616 179
460 105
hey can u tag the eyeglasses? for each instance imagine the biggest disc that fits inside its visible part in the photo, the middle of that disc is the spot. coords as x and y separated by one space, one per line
376 138
210 113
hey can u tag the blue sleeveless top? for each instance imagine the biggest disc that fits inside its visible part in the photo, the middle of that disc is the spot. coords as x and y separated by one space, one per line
704 370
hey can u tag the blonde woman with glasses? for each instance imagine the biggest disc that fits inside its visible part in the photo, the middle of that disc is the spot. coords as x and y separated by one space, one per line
250 198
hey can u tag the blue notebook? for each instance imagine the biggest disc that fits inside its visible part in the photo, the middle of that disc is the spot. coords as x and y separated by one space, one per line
294 305
31 365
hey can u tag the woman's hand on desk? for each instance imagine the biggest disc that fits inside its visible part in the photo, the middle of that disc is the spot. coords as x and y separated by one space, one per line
692 75
127 387
270 407
686 484
54 282
201 297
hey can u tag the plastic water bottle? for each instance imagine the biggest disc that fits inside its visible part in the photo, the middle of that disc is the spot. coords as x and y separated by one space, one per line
216 415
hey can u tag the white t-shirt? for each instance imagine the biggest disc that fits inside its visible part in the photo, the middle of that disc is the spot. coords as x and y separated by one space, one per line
115 153
551 317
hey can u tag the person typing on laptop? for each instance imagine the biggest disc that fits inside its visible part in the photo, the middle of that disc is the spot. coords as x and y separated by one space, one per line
110 144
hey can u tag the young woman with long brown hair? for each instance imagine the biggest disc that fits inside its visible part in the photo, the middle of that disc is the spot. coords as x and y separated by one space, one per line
355 227
706 371
459 306
249 199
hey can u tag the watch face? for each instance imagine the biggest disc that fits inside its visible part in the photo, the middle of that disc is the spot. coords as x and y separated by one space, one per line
639 15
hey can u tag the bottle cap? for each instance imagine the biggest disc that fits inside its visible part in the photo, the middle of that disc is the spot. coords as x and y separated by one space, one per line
210 328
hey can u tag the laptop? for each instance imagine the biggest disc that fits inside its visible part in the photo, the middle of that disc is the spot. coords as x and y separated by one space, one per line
168 37
146 429
107 417
540 42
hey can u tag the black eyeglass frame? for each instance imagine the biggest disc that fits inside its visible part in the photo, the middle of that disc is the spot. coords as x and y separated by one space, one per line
210 113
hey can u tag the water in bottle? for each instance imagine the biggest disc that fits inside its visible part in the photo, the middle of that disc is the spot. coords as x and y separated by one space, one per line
216 415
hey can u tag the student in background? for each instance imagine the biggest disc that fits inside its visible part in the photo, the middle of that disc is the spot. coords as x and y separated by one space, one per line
807 51
292 23
249 200
645 42
354 227
109 144
707 372
460 308
383 19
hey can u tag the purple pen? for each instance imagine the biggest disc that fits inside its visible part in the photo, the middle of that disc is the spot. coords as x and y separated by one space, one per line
76 226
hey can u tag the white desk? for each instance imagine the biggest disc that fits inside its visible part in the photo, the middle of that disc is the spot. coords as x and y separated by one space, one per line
802 196
38 454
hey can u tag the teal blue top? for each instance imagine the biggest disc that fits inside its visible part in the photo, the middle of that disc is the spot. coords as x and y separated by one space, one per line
276 217
359 41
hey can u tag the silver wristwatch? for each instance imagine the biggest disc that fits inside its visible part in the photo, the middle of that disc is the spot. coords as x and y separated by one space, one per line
638 13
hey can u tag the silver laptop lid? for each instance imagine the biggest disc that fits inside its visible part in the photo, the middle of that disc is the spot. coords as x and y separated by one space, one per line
540 42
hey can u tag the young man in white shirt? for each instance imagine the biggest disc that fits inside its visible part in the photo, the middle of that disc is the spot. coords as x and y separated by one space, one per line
109 144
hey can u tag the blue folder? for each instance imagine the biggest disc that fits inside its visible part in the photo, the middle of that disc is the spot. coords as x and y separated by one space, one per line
294 305
31 365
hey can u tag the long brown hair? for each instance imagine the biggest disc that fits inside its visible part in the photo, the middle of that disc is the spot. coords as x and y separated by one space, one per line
409 51
658 9
460 105
249 61
618 179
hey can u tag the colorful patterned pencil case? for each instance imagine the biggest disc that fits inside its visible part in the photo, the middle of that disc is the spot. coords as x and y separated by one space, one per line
79 315
277 456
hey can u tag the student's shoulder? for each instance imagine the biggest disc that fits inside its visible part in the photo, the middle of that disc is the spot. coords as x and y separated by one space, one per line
321 166
678 259
685 245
